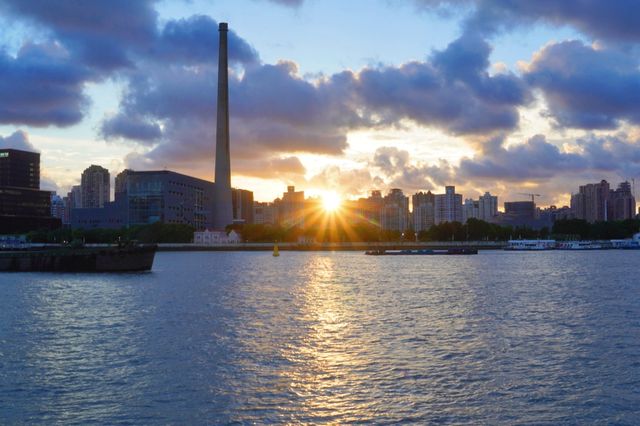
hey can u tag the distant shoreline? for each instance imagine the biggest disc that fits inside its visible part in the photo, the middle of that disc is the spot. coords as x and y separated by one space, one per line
363 246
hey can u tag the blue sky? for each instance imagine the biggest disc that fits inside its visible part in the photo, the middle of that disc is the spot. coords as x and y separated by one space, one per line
488 95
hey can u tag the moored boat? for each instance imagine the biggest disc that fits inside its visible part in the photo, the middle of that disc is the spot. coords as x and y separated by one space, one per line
530 245
422 252
129 258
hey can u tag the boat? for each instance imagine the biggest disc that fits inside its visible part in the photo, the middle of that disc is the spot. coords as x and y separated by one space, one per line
121 258
530 245
583 245
421 252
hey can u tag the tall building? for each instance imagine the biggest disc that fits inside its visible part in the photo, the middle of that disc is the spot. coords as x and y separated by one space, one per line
621 204
143 198
423 206
264 213
487 207
223 204
395 211
95 187
590 203
242 206
57 206
470 210
23 207
291 208
448 206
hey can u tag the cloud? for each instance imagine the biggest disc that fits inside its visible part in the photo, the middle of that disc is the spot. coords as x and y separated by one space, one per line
539 160
609 20
585 87
99 34
453 91
17 140
42 85
399 171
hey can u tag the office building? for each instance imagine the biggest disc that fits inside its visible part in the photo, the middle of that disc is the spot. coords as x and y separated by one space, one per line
23 206
423 205
95 187
143 198
448 206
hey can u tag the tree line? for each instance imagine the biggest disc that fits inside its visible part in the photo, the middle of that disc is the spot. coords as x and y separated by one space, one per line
472 230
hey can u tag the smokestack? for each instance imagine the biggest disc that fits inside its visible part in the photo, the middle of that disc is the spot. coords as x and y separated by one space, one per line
223 208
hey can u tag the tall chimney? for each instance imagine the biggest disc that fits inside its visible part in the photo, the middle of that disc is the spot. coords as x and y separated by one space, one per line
223 207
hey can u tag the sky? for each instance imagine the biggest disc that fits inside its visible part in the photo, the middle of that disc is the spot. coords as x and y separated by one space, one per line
506 96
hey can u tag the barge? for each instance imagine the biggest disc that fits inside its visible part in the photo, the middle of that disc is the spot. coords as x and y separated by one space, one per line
131 258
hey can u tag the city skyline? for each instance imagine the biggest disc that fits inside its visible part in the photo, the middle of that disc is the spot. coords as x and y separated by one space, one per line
415 95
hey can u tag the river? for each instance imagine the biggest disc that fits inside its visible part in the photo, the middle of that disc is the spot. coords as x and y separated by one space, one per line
327 337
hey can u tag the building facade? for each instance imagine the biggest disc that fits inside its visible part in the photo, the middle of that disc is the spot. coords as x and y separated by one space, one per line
23 206
590 203
621 204
395 211
143 198
448 206
95 187
423 214
291 208
264 213
487 207
242 206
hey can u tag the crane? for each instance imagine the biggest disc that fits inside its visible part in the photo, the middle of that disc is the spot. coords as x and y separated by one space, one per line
533 196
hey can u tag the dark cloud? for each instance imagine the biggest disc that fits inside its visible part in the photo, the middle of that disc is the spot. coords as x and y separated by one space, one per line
128 127
99 33
195 40
453 91
585 87
617 20
41 86
17 140
539 160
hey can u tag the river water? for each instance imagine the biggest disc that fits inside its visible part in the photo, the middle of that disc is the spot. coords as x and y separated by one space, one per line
218 338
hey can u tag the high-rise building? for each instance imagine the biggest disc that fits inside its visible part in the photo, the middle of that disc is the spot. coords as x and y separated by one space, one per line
395 211
291 208
57 206
423 205
95 187
448 206
147 197
621 204
264 213
23 207
487 207
242 206
590 203
470 210
223 204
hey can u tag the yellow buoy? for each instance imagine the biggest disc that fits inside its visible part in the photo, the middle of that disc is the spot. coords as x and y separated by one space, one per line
276 252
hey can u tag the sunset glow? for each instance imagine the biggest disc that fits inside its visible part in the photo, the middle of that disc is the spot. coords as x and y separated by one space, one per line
331 201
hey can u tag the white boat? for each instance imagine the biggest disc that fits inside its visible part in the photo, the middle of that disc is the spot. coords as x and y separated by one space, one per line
627 244
530 245
582 245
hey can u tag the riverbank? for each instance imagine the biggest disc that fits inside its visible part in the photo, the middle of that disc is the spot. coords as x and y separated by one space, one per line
356 246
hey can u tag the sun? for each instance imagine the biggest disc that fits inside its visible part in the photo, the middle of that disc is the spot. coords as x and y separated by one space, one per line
331 201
